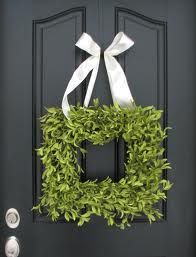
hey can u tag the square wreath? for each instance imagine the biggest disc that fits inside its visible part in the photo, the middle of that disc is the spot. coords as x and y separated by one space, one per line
118 202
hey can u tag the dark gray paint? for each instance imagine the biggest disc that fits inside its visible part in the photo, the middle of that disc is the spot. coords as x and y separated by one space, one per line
160 71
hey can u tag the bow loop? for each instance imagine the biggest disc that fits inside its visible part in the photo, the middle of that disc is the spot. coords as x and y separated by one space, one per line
120 44
87 44
118 83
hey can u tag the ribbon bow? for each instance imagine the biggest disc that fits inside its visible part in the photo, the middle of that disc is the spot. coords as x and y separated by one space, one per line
120 91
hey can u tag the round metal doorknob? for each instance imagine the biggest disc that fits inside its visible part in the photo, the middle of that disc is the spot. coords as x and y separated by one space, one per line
12 218
12 248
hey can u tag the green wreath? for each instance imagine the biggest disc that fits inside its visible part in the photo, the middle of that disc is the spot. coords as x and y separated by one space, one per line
118 202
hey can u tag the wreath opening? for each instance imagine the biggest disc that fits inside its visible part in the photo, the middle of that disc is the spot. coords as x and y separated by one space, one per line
136 194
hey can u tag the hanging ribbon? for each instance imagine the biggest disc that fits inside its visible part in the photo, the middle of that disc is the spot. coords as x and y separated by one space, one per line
120 91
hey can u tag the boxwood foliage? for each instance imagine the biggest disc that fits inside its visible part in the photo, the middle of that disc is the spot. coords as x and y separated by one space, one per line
143 186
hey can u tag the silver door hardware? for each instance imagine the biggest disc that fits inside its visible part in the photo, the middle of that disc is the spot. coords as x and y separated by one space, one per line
12 248
12 218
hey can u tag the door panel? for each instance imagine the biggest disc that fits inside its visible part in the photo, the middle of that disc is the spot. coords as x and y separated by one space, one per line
38 57
52 68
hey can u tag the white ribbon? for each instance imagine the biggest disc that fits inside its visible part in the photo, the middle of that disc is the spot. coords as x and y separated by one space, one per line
120 91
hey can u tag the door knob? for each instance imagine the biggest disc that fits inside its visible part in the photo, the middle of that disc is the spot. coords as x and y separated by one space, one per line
12 218
12 248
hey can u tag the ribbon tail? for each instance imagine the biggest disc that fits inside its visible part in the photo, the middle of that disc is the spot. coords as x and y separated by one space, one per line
120 90
78 76
91 85
65 106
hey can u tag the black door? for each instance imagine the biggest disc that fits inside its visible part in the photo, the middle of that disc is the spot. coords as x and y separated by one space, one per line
37 59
